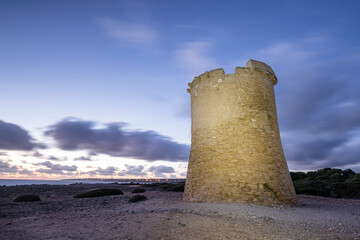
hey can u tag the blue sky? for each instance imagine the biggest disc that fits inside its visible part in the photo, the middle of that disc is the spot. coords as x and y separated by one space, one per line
84 84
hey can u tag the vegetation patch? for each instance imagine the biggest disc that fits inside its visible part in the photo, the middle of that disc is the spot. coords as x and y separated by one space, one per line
328 182
137 198
27 198
168 186
180 187
159 185
138 190
99 193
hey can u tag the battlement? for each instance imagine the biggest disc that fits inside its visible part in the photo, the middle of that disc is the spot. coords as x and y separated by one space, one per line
251 66
219 72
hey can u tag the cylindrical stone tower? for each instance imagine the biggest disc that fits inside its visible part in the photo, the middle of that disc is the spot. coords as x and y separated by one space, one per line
236 152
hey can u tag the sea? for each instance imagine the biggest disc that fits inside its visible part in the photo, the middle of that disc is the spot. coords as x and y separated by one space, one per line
15 182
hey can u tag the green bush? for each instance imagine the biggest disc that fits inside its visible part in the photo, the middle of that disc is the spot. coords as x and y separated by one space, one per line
27 198
297 175
99 193
137 198
138 190
328 182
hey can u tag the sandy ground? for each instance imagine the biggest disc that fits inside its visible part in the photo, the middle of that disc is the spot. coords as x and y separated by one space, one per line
165 216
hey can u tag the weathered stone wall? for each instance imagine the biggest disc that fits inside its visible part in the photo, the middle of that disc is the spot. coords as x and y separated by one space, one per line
236 152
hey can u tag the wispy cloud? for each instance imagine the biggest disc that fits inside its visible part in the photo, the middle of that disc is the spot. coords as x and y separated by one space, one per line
129 33
195 56
57 167
184 110
286 52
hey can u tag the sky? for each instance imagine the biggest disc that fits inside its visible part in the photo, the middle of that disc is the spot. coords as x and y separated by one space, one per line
98 88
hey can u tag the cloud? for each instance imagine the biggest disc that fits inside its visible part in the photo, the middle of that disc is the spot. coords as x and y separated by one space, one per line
307 151
133 170
326 110
286 52
53 158
57 167
185 110
109 171
42 156
194 56
51 171
318 103
3 154
6 168
112 139
346 154
13 137
129 34
37 154
83 158
159 171
33 154
26 172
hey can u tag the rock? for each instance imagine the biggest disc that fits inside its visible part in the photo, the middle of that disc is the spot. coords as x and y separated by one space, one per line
267 219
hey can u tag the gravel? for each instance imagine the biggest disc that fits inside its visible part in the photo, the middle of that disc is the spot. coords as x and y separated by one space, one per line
165 216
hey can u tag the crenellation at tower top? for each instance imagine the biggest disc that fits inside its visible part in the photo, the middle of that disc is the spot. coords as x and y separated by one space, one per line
251 66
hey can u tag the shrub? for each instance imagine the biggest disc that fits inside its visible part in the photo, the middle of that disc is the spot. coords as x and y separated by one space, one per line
328 182
138 190
137 198
153 184
27 198
177 188
315 187
168 186
99 193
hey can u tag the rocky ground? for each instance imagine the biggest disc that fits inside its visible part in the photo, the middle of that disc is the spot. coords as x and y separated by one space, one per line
165 216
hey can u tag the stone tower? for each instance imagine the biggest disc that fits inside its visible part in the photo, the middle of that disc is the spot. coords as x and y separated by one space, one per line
236 152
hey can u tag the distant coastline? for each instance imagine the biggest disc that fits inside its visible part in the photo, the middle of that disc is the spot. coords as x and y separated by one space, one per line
129 180
18 182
